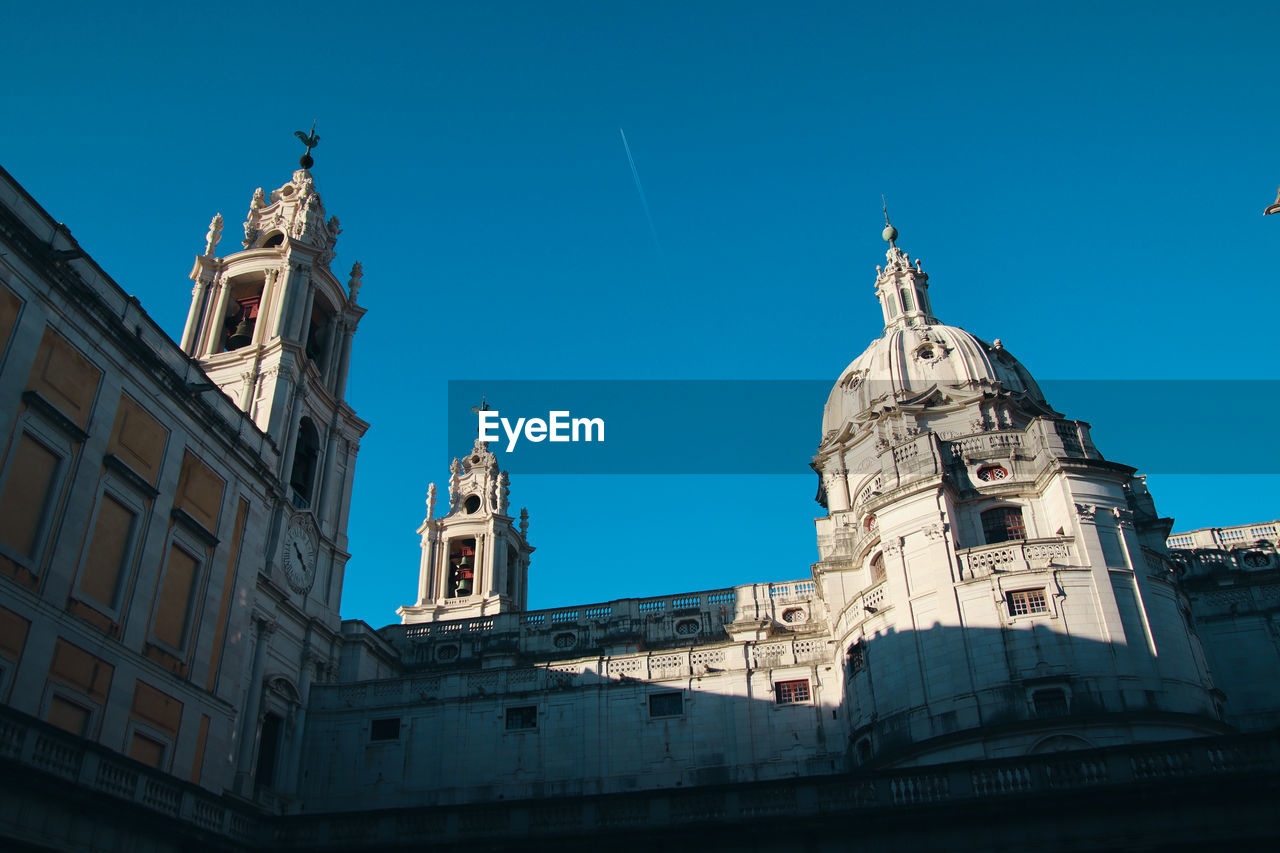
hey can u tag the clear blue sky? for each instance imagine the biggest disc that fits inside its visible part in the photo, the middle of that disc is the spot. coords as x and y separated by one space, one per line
1084 181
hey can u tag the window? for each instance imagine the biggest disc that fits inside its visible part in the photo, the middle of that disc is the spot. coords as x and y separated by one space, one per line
146 749
305 455
27 493
525 717
462 567
792 692
1050 703
1026 601
268 745
388 729
906 300
108 553
69 716
794 614
688 627
991 473
666 704
856 656
173 609
877 568
1003 524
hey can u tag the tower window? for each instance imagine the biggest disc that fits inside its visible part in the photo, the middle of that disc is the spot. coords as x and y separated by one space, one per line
1003 524
276 239
1024 602
906 300
792 692
471 504
306 454
462 567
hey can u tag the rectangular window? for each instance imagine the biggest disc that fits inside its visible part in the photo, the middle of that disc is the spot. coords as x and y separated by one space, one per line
857 656
108 552
68 716
1026 601
792 692
388 729
1050 703
666 704
26 495
522 718
147 750
173 610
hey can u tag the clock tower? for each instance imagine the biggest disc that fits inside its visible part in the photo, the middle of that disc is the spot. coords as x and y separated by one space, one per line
272 326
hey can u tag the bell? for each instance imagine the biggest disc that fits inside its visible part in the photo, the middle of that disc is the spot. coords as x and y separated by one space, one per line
464 587
466 562
242 335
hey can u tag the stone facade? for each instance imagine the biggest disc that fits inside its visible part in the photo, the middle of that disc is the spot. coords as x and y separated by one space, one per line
993 612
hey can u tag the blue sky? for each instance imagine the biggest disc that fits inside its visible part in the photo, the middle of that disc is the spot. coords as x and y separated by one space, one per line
1083 181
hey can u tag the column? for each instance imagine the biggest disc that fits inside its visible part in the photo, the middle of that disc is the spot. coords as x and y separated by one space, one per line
263 629
191 330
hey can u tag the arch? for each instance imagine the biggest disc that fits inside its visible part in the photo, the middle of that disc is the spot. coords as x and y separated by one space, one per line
1003 524
306 455
273 240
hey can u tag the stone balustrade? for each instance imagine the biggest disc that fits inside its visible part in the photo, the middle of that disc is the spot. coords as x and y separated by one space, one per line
1016 556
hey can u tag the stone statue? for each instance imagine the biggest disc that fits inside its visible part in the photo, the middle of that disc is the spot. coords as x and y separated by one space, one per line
357 278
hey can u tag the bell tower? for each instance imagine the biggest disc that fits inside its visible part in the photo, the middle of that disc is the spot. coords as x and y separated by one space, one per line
272 325
475 561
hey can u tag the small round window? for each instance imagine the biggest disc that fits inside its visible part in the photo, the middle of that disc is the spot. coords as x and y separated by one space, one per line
990 473
795 614
688 627
446 653
565 641
472 504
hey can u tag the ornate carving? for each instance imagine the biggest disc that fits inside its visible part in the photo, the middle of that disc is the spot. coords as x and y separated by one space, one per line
1124 515
524 522
1086 512
431 501
893 547
215 234
504 493
356 280
934 532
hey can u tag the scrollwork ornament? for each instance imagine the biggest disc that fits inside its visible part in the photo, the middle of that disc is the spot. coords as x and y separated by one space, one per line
1086 512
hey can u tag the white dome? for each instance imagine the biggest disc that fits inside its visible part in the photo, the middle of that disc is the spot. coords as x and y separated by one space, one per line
908 362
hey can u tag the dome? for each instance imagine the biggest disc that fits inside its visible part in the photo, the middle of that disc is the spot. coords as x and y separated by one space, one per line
907 362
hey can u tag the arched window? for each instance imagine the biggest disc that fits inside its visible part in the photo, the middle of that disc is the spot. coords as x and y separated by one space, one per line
305 455
906 300
1003 524
877 568
893 304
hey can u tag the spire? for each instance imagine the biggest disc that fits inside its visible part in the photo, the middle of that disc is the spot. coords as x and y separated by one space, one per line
306 161
903 288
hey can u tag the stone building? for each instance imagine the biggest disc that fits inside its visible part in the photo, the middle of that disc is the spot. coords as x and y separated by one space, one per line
992 649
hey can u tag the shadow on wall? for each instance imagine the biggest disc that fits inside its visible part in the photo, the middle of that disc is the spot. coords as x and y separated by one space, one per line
692 715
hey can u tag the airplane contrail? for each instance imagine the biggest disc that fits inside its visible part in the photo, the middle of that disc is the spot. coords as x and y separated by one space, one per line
644 202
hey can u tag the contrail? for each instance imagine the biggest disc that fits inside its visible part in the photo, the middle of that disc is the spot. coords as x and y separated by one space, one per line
644 202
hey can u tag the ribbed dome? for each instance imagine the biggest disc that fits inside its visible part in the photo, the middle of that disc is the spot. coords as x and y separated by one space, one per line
906 362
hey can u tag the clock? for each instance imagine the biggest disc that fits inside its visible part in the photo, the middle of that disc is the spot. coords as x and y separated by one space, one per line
300 542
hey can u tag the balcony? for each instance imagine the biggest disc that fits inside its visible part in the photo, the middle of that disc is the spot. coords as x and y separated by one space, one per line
1019 556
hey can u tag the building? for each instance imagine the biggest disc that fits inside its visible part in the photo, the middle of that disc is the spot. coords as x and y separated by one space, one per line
993 646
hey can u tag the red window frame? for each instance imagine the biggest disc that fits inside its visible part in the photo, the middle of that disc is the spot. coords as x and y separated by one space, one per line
792 692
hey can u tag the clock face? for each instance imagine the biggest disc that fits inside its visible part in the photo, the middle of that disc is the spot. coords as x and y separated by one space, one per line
300 554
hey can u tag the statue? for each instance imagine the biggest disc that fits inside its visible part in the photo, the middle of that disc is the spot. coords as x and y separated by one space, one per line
431 501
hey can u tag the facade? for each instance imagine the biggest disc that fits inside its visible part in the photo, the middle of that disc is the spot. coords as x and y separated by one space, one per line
994 631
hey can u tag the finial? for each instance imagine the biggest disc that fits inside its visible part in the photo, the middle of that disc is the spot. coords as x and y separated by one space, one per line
431 501
889 233
311 141
215 234
357 279
475 410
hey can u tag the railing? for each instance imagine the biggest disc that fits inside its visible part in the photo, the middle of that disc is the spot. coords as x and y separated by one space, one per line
997 442
1015 556
1225 537
751 601
41 747
1152 768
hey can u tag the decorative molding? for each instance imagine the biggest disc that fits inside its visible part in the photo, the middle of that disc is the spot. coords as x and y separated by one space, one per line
1086 512
188 522
36 401
118 466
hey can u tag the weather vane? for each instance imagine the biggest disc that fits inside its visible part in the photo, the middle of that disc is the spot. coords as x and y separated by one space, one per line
890 233
311 141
